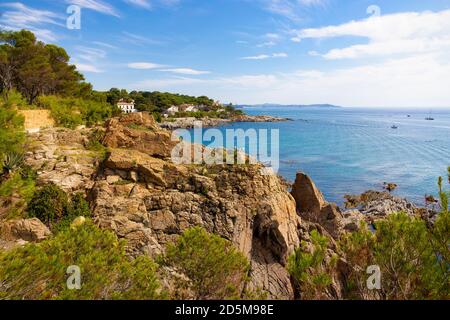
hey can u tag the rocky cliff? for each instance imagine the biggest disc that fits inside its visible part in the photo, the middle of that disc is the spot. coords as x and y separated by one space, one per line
146 199
140 194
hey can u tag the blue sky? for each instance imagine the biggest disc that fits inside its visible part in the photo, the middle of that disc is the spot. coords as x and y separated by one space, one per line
387 53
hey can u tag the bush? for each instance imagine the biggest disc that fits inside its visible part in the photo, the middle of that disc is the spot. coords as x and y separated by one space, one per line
312 268
49 204
215 268
16 191
12 136
72 112
77 207
38 271
412 265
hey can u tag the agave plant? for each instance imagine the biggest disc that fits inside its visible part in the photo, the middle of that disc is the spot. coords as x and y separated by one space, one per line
11 162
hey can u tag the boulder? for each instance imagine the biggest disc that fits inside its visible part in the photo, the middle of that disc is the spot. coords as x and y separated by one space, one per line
312 206
30 230
139 131
252 210
307 196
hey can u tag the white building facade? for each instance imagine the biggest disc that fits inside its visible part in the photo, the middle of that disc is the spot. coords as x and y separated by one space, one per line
126 107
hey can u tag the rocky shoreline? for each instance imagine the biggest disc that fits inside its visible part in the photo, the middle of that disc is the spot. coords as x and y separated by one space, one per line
146 199
189 123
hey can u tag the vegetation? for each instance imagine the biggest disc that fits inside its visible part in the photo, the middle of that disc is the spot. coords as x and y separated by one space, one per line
312 268
413 257
51 205
72 112
156 101
38 271
214 267
35 68
12 137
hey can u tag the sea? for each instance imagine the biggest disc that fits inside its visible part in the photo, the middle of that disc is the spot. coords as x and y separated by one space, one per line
352 150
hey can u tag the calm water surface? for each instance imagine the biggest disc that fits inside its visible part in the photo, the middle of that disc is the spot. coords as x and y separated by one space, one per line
352 150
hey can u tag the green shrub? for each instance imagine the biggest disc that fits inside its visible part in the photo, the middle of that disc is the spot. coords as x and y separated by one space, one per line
49 204
38 271
72 112
215 268
15 193
77 207
412 265
311 267
11 162
12 136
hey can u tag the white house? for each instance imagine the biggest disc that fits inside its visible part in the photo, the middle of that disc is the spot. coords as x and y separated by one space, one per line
173 110
125 106
191 109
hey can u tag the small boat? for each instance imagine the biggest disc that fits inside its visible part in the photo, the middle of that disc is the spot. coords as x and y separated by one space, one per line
409 116
394 127
429 118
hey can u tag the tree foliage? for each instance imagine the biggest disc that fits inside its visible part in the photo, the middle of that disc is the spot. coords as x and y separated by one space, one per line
35 68
52 205
311 267
214 267
38 271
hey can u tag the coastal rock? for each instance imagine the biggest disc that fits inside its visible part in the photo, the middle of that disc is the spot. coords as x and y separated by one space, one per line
156 201
307 196
29 230
376 204
240 204
59 156
312 206
260 118
139 131
191 122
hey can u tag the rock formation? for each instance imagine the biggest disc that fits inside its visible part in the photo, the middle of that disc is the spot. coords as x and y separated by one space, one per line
312 206
146 199
21 231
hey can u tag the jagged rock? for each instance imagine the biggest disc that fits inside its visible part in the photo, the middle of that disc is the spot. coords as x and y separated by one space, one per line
30 230
352 220
139 131
156 200
312 206
380 204
235 202
307 196
59 157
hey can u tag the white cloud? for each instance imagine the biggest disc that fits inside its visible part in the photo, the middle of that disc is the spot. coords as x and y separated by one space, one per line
83 67
186 71
266 56
137 39
144 65
96 5
401 33
290 9
90 54
266 44
168 83
140 3
19 16
404 82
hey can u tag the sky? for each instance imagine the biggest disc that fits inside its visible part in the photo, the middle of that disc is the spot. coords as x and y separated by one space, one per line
358 53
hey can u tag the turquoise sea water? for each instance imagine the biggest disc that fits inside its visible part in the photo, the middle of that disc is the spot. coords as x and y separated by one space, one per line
351 150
